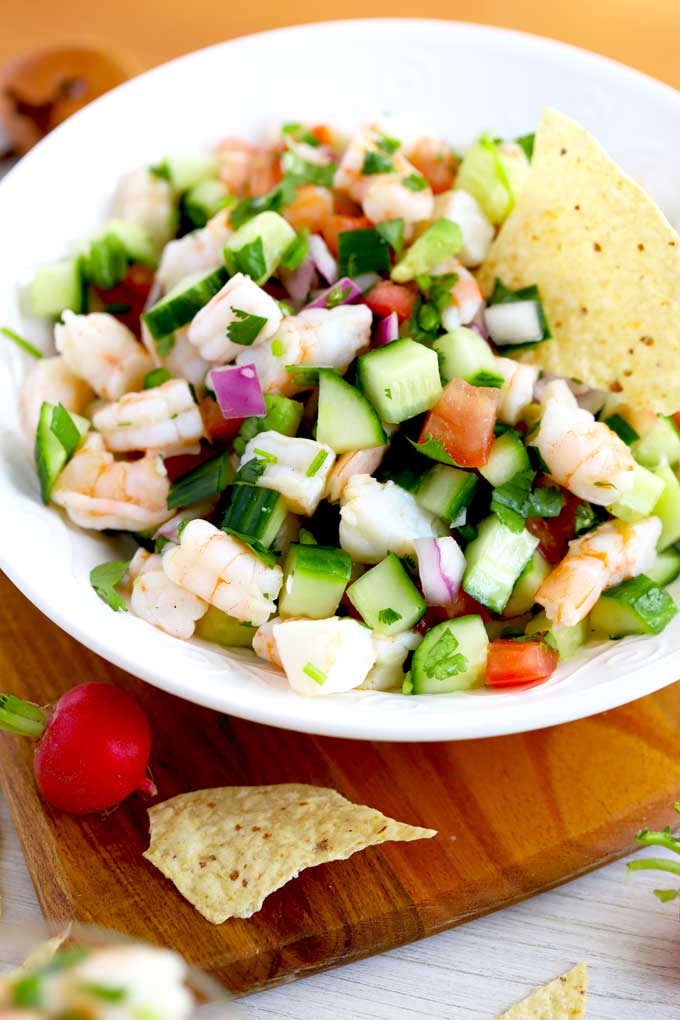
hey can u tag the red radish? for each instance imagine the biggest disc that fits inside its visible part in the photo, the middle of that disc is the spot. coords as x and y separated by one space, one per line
93 746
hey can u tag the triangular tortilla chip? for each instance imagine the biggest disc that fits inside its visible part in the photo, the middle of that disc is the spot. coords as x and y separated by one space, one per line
561 999
607 263
227 849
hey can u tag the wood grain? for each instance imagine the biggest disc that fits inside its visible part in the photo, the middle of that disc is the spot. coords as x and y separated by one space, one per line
515 815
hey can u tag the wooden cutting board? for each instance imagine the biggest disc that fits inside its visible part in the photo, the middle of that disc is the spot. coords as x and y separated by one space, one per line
515 815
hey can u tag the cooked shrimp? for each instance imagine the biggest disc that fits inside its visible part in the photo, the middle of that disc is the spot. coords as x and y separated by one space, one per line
356 462
224 572
100 492
210 331
158 600
184 362
163 419
50 379
466 295
518 389
147 199
390 654
596 561
317 336
197 252
582 454
382 195
234 157
297 468
264 642
103 352
311 208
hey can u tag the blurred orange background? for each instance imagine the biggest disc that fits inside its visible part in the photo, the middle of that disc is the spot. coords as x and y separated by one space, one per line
642 33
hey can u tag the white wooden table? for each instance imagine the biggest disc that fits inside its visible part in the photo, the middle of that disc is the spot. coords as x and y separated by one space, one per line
630 941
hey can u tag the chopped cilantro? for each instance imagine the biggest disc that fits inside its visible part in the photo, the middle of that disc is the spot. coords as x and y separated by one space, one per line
315 674
414 182
434 449
161 170
299 133
515 500
338 294
377 163
586 518
104 579
393 232
442 660
483 378
161 543
298 171
536 460
274 201
297 251
245 328
526 143
248 260
316 464
388 144
156 377
429 318
388 392
389 616
20 342
363 251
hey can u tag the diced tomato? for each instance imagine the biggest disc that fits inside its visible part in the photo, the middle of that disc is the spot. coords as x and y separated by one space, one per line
387 297
264 172
323 134
130 295
518 663
465 605
554 533
436 162
217 428
676 419
343 205
336 225
463 420
311 208
185 462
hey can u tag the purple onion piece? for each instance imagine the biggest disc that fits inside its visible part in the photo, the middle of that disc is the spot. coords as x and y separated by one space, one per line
344 292
326 266
238 391
387 330
441 565
586 397
191 513
298 282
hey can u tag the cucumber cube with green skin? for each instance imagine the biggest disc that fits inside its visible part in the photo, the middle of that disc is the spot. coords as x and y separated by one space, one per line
57 287
667 508
387 598
567 639
508 456
640 500
637 606
484 175
495 560
439 242
275 235
224 630
185 172
527 584
204 200
282 415
451 657
255 511
314 580
447 492
180 305
134 238
50 454
464 354
666 568
401 380
660 446
346 420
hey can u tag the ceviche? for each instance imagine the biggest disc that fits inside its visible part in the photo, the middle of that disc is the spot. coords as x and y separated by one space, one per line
282 371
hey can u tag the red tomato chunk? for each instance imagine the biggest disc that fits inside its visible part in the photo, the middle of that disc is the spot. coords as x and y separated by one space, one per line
518 663
462 420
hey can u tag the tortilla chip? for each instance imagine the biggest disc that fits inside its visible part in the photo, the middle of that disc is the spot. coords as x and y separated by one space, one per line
607 263
43 954
561 999
228 848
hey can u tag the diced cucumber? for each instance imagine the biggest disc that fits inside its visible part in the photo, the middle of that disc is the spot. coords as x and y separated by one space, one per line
567 639
400 379
526 585
183 302
439 242
483 175
447 492
464 354
387 598
495 559
283 415
346 419
660 446
639 501
637 606
314 579
57 287
106 261
623 429
204 200
258 246
56 440
134 237
666 568
224 630
184 172
451 657
255 511
667 508
508 456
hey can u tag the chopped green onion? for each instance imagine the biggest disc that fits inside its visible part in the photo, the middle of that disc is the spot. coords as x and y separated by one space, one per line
264 455
104 579
623 430
300 134
337 295
376 163
393 232
315 674
388 144
156 377
415 182
362 251
299 171
21 717
247 329
249 473
297 251
20 342
277 347
526 144
65 429
205 482
317 463
104 993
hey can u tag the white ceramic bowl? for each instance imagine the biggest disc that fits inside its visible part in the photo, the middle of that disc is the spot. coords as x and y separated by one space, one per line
423 75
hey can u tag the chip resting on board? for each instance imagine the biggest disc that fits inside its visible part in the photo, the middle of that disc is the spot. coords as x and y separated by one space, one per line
607 264
561 999
227 849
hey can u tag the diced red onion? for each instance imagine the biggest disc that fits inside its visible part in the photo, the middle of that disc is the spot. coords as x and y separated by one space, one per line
589 399
320 255
365 281
441 566
298 282
387 330
345 287
517 322
190 513
478 324
238 391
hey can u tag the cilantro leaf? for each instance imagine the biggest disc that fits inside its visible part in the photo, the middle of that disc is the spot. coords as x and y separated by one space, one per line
377 163
248 260
393 232
545 502
362 251
414 182
587 517
389 616
298 171
434 449
388 144
274 201
299 133
156 377
247 329
515 500
297 251
104 579
526 143
442 660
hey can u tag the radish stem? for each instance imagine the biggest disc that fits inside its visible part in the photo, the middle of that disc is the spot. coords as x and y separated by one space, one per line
21 717
655 864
